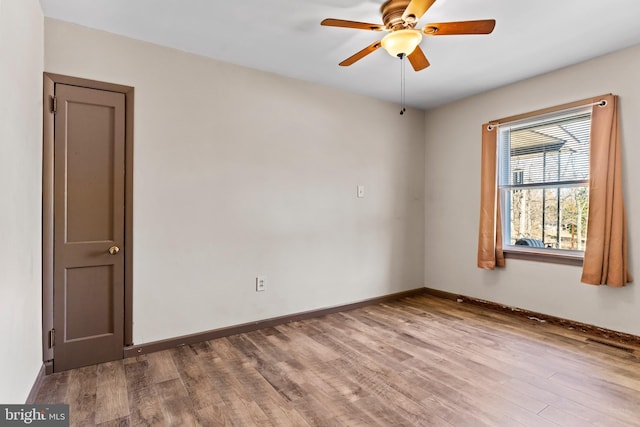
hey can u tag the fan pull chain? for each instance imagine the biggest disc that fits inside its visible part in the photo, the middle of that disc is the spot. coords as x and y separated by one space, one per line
402 84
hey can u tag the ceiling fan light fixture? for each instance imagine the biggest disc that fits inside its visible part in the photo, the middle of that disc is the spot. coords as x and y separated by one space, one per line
401 42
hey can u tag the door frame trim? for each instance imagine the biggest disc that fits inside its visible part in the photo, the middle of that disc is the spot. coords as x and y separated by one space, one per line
49 82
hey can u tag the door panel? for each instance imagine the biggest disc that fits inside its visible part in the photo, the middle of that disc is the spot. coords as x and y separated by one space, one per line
89 165
89 309
90 173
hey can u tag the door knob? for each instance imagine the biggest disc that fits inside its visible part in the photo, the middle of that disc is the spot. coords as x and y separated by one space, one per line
114 250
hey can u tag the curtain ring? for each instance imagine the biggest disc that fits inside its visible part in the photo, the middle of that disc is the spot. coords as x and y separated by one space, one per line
602 103
491 127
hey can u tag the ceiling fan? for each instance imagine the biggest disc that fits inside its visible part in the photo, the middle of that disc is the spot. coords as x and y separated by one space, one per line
400 18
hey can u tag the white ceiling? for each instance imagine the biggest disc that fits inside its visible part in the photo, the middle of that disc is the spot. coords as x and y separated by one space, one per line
285 37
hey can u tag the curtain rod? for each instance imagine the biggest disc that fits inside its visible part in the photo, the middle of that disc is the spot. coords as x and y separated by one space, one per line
601 103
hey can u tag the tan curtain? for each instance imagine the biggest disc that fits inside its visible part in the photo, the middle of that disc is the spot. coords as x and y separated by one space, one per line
490 252
605 256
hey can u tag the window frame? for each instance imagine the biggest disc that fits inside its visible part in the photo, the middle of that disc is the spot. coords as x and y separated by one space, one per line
550 255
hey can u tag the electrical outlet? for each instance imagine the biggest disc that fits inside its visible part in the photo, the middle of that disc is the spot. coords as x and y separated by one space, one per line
261 283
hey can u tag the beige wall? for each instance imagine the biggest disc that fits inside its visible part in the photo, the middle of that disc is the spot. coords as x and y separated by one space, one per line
240 173
452 197
21 65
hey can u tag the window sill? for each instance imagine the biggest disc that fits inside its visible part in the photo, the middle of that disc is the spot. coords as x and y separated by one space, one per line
545 255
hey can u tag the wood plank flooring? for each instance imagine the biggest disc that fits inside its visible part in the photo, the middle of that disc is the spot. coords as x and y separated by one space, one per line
419 361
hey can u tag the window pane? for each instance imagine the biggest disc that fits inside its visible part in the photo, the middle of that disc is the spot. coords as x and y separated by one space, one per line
551 151
574 210
526 216
549 218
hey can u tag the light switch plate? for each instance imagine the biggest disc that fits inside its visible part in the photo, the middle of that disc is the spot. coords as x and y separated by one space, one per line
261 283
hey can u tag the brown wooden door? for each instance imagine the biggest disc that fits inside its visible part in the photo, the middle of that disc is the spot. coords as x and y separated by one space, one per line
89 247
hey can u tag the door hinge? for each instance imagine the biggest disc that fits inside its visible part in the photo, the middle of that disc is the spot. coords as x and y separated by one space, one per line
54 104
52 338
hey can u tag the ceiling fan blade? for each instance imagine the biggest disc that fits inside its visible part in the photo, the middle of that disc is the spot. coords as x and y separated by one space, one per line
418 60
416 9
358 56
330 22
484 26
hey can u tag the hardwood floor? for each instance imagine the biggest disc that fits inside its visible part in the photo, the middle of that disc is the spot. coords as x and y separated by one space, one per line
422 361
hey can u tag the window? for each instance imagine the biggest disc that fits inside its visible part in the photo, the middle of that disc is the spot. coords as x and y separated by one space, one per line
543 179
556 171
